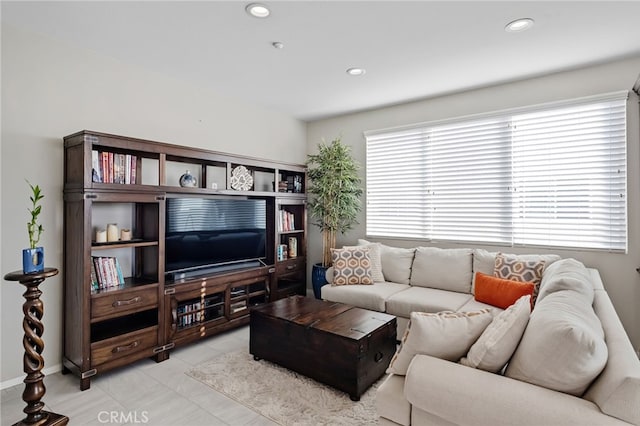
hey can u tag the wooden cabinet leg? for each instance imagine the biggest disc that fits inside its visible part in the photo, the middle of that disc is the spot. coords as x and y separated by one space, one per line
162 356
85 384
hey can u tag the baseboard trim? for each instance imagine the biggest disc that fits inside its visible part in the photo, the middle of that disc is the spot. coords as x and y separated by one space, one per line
46 371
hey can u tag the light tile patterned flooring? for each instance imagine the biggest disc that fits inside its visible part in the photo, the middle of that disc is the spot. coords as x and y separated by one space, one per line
145 393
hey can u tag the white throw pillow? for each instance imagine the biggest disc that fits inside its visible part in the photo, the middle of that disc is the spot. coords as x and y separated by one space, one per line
446 269
563 346
496 345
445 335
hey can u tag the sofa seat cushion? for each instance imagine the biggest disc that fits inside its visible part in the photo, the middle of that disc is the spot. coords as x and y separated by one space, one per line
474 305
446 269
563 347
466 396
422 299
363 296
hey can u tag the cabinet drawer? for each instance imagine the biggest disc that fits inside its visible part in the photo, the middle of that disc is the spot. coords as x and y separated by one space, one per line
290 265
124 345
122 302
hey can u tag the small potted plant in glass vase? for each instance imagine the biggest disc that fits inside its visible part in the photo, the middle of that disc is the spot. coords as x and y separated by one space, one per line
33 257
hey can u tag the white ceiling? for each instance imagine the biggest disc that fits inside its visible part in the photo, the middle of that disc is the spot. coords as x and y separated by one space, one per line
410 49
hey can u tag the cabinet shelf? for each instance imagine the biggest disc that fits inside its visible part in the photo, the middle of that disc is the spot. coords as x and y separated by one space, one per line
295 231
122 325
248 296
129 282
123 244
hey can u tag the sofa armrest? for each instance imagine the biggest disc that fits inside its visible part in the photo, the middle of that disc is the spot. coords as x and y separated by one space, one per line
464 395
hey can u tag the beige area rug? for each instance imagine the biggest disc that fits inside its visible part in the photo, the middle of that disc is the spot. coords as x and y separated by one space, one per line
282 395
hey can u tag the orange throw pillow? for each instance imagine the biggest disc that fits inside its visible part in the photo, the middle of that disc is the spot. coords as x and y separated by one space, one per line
500 292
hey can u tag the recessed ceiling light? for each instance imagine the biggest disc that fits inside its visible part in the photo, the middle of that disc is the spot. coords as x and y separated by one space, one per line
277 45
356 71
519 25
257 10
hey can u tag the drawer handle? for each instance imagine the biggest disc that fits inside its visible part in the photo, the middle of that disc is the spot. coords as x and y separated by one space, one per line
131 301
128 347
290 267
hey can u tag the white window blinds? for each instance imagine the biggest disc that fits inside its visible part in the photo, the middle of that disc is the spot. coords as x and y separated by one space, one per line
550 175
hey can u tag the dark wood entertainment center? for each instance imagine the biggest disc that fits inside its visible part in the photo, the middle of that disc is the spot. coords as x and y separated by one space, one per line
109 326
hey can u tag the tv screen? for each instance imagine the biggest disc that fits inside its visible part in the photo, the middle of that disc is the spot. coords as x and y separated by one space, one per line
204 233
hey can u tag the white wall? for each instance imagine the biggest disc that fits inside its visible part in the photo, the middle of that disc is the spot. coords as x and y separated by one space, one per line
50 90
617 270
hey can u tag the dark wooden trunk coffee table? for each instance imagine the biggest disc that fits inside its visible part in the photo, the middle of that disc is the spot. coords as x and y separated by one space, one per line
343 346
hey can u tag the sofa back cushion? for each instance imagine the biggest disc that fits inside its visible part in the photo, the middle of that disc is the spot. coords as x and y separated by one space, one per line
396 263
444 269
567 274
563 346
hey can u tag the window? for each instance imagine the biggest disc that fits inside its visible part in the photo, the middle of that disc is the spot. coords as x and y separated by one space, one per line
550 175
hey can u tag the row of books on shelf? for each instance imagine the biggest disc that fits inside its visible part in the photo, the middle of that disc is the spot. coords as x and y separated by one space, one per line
289 251
286 221
105 273
110 167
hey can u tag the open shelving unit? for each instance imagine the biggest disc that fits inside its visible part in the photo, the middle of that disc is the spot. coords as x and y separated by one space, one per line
110 178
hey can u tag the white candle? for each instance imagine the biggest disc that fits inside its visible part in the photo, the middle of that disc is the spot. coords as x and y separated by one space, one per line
101 236
112 232
125 234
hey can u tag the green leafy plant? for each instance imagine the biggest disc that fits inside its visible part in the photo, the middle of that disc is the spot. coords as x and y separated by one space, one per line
334 186
33 227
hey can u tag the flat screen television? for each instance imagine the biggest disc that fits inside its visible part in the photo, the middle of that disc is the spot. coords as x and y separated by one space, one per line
208 234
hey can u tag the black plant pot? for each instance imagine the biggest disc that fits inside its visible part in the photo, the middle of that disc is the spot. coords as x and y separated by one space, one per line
318 278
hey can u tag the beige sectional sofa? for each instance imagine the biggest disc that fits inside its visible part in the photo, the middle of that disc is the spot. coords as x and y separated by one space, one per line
573 366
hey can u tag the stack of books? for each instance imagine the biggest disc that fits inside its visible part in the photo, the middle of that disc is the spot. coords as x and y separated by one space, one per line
105 273
109 167
286 221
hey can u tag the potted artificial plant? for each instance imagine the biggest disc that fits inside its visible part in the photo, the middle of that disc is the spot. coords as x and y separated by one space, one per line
33 257
334 189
